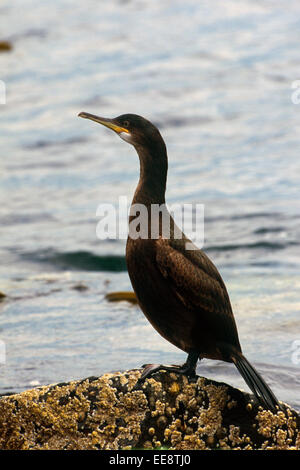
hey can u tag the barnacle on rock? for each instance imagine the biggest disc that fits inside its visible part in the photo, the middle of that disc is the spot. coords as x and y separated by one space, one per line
113 412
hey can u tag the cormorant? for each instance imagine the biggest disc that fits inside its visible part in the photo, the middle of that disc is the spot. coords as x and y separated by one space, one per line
179 290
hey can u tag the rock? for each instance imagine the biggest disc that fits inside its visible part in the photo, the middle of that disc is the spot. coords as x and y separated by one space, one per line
166 411
5 46
2 296
120 296
80 286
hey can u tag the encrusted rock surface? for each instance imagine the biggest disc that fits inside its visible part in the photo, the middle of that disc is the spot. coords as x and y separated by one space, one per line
166 411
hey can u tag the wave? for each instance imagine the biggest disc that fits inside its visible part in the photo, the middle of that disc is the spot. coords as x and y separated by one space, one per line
79 260
265 245
89 261
54 143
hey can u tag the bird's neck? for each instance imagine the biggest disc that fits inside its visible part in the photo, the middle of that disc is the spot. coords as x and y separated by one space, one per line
151 187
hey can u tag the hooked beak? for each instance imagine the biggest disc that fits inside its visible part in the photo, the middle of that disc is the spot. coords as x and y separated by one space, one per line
105 122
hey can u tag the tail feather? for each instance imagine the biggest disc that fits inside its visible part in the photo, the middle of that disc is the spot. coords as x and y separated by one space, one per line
255 382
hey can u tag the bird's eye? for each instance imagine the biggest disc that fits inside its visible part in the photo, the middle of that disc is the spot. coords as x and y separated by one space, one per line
126 123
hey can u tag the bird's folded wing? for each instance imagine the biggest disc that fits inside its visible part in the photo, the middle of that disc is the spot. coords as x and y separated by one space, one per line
194 278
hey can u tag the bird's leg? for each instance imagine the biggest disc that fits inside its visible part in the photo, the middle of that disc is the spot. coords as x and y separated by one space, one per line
188 368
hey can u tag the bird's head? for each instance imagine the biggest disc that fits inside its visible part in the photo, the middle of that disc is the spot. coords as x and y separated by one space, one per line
132 128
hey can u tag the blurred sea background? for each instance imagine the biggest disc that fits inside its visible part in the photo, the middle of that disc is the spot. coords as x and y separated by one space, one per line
217 79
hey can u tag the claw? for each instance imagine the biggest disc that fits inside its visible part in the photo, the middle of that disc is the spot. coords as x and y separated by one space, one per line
188 368
149 369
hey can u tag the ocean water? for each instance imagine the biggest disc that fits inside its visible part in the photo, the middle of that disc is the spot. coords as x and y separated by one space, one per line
219 84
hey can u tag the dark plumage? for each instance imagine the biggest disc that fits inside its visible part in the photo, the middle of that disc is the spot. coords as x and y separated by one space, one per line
180 291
